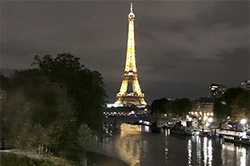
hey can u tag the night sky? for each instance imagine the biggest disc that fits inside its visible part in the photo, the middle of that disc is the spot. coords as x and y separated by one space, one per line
181 47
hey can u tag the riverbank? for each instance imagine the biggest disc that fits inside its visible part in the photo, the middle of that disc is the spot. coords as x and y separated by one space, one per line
12 159
27 158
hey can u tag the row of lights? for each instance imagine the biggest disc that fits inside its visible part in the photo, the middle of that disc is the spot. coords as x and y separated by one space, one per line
118 113
206 118
201 113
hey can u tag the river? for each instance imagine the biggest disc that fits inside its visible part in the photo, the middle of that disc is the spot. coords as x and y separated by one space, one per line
139 147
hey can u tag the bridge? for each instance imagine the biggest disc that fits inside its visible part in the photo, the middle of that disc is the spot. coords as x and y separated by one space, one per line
143 119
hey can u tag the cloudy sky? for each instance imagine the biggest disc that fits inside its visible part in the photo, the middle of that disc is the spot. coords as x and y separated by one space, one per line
181 46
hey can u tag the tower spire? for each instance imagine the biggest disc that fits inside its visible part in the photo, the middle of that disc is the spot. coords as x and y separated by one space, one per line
131 15
130 76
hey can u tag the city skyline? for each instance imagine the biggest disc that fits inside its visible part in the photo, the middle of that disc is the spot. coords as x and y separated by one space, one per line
181 47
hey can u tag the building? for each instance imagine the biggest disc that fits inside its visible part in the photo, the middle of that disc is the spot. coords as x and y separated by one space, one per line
202 107
128 94
245 85
217 90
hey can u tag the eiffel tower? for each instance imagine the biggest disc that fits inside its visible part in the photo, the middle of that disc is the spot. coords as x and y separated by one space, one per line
125 95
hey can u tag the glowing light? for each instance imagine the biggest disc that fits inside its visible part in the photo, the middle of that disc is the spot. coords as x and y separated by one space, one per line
146 122
146 128
210 119
197 133
243 121
243 157
130 61
130 70
190 119
210 152
205 118
189 149
110 105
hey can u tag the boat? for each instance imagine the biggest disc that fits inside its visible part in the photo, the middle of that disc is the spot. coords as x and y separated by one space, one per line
182 130
236 139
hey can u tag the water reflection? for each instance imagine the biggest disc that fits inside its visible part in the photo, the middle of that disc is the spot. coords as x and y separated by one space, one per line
210 152
189 148
129 144
231 152
138 147
200 151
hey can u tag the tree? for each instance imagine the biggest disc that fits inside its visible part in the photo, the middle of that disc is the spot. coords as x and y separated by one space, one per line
37 112
46 105
5 82
159 106
84 86
240 106
182 106
3 127
177 107
234 103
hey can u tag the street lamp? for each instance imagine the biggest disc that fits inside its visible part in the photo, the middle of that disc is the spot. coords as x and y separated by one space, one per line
210 119
243 121
190 119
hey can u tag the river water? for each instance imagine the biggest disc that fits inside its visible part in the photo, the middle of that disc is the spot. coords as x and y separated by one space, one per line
139 147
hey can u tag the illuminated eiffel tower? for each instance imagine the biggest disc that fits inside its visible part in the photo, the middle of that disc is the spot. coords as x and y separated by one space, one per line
133 96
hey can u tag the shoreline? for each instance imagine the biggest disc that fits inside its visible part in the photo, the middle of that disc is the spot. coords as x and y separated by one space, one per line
15 157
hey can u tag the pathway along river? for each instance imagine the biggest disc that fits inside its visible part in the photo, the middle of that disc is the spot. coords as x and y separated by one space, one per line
139 147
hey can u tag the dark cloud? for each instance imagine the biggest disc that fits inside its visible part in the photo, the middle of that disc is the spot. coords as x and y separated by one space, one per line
181 47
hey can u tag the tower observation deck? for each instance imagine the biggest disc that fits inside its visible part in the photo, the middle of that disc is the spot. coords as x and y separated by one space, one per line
135 96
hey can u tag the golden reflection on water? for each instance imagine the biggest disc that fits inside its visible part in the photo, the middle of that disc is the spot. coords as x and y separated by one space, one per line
129 148
203 151
132 146
230 152
210 152
189 148
207 151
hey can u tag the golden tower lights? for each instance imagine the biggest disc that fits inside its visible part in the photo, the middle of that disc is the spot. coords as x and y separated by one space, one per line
130 76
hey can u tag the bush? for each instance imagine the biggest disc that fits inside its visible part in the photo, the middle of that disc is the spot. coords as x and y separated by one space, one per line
11 159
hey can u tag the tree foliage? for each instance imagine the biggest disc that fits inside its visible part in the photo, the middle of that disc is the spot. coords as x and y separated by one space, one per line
36 115
84 86
234 103
46 107
177 107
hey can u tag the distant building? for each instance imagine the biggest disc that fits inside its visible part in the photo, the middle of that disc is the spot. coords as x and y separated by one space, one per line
217 90
202 107
245 85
